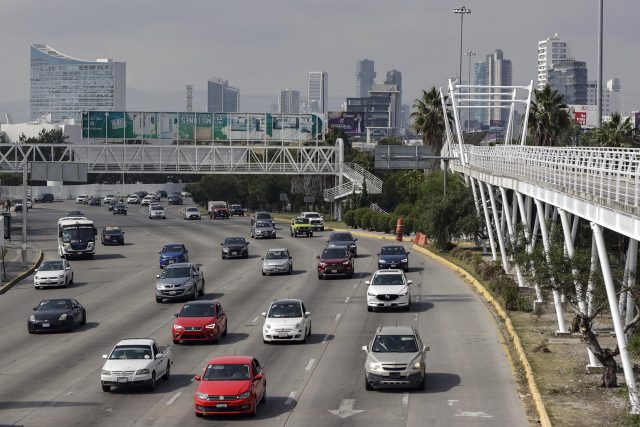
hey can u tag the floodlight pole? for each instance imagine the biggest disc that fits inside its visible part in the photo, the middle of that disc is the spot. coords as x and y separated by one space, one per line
25 209
461 10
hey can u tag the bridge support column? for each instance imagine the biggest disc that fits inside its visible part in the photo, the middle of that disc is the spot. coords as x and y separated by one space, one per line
525 218
496 220
487 220
543 214
617 321
510 229
594 364
630 276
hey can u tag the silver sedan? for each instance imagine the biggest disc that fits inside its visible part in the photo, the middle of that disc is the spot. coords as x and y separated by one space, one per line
277 260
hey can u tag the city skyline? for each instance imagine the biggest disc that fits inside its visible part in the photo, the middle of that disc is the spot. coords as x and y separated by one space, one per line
135 38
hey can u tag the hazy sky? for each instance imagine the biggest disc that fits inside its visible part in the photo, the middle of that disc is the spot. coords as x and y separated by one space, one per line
261 46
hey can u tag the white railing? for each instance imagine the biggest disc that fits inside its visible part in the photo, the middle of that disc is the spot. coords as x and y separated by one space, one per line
376 208
609 174
355 172
343 190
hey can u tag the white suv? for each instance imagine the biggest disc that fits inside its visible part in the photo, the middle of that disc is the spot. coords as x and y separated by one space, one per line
147 199
316 220
388 289
82 198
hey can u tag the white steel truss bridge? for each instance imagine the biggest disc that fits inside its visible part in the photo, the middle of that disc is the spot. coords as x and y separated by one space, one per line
515 184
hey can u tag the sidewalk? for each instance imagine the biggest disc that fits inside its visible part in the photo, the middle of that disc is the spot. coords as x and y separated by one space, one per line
14 269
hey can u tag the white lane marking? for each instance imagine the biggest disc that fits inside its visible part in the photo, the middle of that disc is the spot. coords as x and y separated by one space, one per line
325 339
472 414
291 399
174 398
355 285
310 364
255 320
415 317
416 299
69 394
405 400
451 402
337 317
346 409
346 300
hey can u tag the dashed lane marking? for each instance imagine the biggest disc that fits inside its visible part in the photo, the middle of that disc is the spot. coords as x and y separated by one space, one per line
310 365
291 399
405 400
174 398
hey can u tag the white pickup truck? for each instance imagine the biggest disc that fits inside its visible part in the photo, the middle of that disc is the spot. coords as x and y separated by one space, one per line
136 361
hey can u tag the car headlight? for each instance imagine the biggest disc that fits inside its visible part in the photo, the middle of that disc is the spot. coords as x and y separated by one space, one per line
176 326
142 371
381 261
91 245
322 264
61 276
37 278
244 395
202 395
225 249
375 366
66 245
188 284
267 326
347 262
371 294
159 285
63 316
105 372
405 292
210 326
32 318
298 325
415 363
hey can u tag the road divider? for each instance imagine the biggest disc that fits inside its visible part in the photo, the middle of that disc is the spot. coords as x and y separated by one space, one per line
4 288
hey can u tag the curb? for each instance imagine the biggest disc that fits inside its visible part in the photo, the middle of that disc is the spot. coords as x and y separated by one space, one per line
531 383
24 274
375 235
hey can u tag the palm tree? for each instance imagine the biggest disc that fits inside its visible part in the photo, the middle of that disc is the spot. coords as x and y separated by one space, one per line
428 119
548 117
614 133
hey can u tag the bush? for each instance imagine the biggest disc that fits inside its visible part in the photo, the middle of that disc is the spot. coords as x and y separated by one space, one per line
489 269
408 225
393 220
357 216
506 289
382 222
403 209
366 218
349 218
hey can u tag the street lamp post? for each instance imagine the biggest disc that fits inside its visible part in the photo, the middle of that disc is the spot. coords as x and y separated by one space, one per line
599 82
469 53
461 10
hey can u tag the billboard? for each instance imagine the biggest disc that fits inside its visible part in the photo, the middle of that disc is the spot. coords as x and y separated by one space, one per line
349 122
203 127
584 115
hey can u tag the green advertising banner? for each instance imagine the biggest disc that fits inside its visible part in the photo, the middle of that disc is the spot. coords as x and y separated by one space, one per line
204 126
220 127
186 126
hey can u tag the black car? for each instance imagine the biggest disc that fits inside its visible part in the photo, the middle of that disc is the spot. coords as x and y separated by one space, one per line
236 210
111 204
119 209
174 199
344 238
141 194
75 214
44 198
235 247
393 256
60 314
112 235
95 201
161 194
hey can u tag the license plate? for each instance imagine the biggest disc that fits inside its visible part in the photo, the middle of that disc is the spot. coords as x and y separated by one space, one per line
393 265
283 335
334 271
45 325
394 374
234 253
172 292
221 405
122 379
171 261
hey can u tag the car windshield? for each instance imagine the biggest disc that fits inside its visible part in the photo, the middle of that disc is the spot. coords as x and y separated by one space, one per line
51 266
157 208
192 209
198 310
70 235
226 372
75 213
172 248
392 250
109 196
131 352
234 241
387 280
219 205
112 231
262 225
120 206
54 304
313 215
176 273
341 237
302 221
288 309
263 215
394 344
276 255
334 253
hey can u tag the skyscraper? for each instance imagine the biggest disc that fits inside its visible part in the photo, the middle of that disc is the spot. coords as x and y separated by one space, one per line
550 51
394 77
288 101
494 71
317 92
66 86
610 96
222 98
569 78
365 76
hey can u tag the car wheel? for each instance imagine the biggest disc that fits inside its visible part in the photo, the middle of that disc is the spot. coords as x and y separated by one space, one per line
263 340
106 388
254 409
310 234
199 415
195 293
158 299
176 341
84 318
38 287
167 374
263 273
290 269
202 290
369 308
152 384
31 330
264 396
367 386
226 328
350 276
423 384
71 281
408 308
246 256
320 276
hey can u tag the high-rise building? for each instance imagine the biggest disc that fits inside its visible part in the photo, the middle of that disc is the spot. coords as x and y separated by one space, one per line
494 71
610 95
222 98
317 92
288 101
394 77
64 86
550 51
569 78
365 76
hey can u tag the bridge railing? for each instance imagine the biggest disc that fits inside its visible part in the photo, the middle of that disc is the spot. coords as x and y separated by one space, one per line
610 174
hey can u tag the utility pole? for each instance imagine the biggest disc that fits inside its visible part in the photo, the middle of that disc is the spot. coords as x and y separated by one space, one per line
25 209
461 10
469 53
599 83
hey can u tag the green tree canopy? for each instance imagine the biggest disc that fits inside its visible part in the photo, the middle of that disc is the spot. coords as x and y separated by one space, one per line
548 118
614 133
428 120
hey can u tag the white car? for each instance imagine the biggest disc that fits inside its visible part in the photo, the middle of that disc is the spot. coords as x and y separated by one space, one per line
388 289
133 199
185 194
147 199
157 212
286 320
109 198
53 273
191 212
82 198
153 204
315 219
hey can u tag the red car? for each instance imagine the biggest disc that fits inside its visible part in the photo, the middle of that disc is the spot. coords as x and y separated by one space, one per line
230 385
199 321
335 261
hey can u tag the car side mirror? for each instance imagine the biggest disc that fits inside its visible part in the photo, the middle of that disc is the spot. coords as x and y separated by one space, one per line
159 356
258 377
248 243
157 276
67 268
378 254
263 314
36 270
355 239
409 282
197 378
176 314
426 348
159 252
35 308
317 256
104 356
364 348
407 252
186 251
262 258
123 232
327 240
367 282
307 314
221 244
95 232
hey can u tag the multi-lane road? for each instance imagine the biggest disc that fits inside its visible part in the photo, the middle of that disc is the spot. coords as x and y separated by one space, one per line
54 379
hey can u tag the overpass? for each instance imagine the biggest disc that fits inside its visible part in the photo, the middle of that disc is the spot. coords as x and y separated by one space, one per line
513 183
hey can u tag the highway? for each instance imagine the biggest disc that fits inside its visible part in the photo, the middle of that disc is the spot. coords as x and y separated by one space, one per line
54 379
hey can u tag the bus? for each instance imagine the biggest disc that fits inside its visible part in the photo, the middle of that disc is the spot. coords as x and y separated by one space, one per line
76 237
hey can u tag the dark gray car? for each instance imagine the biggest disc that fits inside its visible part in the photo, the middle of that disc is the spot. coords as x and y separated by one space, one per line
263 230
183 280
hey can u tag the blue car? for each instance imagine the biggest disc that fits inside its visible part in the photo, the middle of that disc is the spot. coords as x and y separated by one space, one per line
393 256
172 253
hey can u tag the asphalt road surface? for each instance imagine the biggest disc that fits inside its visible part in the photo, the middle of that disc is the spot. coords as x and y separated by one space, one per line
54 379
